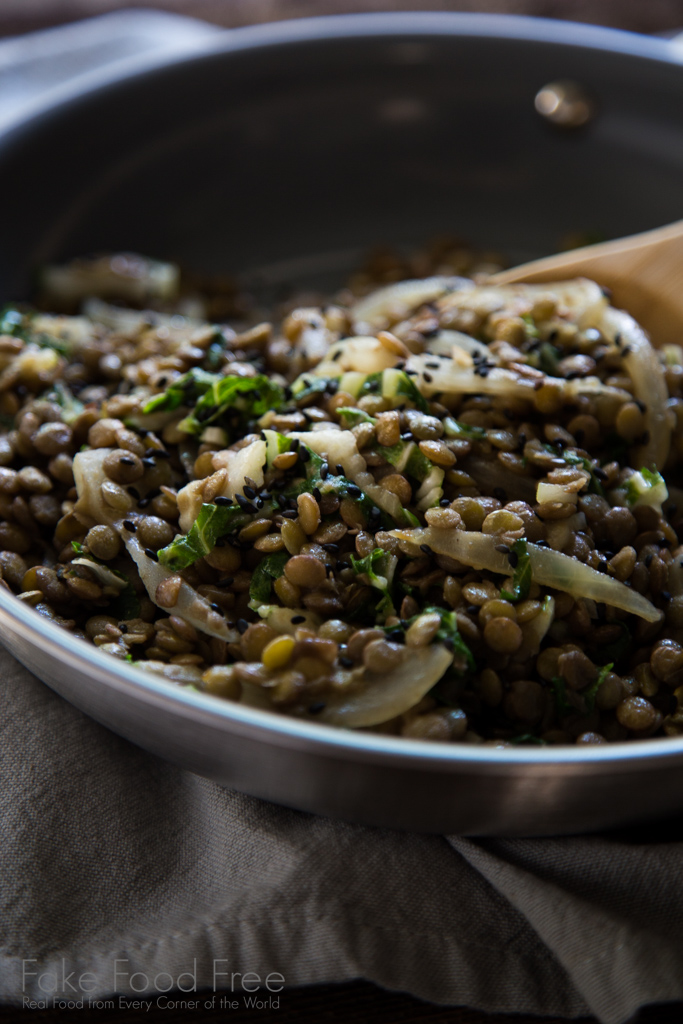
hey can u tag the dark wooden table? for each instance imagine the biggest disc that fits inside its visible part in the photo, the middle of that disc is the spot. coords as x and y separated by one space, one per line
358 1001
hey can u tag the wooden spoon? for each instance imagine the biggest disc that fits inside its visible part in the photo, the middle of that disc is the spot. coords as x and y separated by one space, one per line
643 272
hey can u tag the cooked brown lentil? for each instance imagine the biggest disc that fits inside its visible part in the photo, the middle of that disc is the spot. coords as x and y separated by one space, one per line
304 589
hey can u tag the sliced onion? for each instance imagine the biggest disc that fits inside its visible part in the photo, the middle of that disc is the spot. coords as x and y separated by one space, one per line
363 354
581 299
189 605
549 568
104 574
397 301
184 675
89 476
386 695
281 619
458 380
443 343
535 629
649 386
380 696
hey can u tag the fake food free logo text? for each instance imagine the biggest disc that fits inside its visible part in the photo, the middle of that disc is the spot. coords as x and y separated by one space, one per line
68 989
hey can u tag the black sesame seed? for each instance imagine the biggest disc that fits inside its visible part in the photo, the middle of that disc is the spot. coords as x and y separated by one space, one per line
144 502
345 662
513 559
332 387
294 446
427 377
304 454
338 470
291 513
472 609
337 355
375 512
149 463
281 500
134 493
123 627
152 554
161 453
227 582
242 626
315 709
222 500
245 505
600 473
395 634
324 470
354 491
297 619
332 548
426 548
216 608
445 502
503 548
249 491
648 560
130 526
316 493
126 460
665 596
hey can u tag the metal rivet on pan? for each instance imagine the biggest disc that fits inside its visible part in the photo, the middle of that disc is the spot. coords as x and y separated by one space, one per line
565 104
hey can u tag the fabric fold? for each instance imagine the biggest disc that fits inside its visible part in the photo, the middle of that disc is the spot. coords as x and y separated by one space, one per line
108 855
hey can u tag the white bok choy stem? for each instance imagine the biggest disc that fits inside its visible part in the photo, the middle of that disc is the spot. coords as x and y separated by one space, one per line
89 476
549 568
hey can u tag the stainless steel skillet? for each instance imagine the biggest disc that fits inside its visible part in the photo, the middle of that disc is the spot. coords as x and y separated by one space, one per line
283 152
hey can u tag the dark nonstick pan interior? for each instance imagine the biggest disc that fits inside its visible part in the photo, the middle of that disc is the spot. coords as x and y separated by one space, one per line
297 154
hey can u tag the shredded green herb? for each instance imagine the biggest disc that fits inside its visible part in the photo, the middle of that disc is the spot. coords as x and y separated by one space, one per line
187 390
213 522
454 429
560 694
590 692
521 580
447 634
378 567
269 569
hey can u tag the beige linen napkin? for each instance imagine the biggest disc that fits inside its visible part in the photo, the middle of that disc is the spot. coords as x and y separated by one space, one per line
120 873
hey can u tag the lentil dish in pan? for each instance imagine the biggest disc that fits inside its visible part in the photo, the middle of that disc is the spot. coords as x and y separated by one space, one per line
434 507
